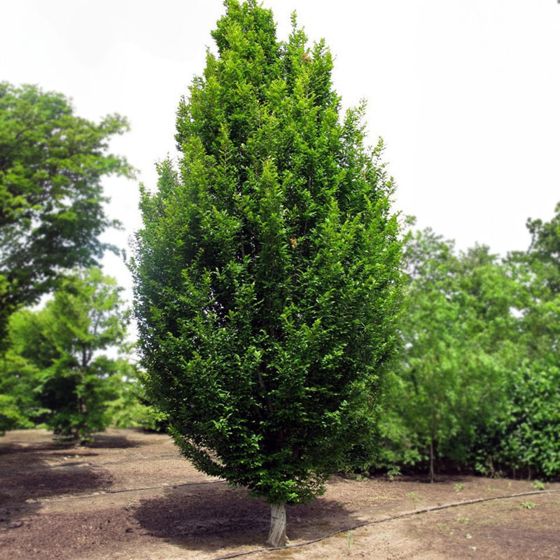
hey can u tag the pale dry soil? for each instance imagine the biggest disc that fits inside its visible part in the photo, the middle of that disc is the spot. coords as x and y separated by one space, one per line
130 496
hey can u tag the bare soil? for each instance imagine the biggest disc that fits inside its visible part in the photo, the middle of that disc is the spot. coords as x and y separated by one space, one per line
130 496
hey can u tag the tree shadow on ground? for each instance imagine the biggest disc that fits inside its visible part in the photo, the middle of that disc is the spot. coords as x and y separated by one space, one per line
109 441
56 448
213 516
18 458
26 477
35 447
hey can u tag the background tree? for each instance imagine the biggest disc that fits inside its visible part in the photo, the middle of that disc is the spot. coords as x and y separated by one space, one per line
63 343
19 406
431 346
11 415
51 200
477 382
129 407
456 328
545 249
525 439
267 269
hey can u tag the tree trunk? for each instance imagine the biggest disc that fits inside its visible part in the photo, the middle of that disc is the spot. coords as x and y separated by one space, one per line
81 428
277 536
431 460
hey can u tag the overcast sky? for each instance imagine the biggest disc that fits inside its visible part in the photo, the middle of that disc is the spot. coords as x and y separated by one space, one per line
465 93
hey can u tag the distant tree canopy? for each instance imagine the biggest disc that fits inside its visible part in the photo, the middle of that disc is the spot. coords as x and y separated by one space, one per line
55 361
455 322
477 382
545 249
267 273
51 200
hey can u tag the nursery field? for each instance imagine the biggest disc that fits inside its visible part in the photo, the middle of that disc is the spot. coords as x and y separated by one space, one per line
130 495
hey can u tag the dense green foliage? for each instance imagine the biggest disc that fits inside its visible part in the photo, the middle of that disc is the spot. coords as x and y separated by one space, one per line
477 386
19 407
51 201
11 415
527 439
267 268
455 327
129 407
54 369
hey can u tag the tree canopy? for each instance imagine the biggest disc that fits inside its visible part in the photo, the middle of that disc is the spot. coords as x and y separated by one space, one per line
267 270
476 383
51 200
56 361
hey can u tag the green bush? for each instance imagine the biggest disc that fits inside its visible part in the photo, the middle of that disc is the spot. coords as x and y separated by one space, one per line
526 440
11 416
130 409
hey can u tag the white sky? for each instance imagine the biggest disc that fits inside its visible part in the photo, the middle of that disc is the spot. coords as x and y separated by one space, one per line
465 93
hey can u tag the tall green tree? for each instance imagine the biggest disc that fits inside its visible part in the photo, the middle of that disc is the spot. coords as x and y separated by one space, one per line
130 408
545 248
51 201
19 405
11 415
525 440
456 328
429 380
267 270
64 343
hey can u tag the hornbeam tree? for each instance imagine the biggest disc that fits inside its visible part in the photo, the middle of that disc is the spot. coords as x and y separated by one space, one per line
266 270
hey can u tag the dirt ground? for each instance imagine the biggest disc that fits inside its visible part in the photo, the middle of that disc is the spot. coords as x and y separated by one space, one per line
130 496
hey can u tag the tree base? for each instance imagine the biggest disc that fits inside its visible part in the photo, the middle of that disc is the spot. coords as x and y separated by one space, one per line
277 536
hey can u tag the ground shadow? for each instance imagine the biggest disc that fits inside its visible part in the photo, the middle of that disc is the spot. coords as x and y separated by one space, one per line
27 477
212 516
109 441
35 447
51 446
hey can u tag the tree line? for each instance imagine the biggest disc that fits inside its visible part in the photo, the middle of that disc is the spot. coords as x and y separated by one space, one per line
475 384
54 369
